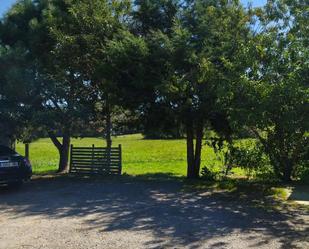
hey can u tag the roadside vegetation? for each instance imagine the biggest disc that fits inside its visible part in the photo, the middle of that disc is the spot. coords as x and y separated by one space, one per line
209 72
160 158
140 156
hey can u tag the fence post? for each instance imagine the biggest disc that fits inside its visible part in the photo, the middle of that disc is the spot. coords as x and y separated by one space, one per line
120 159
71 152
108 149
92 158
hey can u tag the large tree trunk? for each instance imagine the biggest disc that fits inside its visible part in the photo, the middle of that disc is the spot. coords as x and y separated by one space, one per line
287 171
198 149
190 150
108 132
63 149
64 154
194 155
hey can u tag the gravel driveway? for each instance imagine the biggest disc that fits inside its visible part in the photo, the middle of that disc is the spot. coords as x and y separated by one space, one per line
59 213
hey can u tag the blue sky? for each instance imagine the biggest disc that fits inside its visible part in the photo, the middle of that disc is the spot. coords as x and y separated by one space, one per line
6 4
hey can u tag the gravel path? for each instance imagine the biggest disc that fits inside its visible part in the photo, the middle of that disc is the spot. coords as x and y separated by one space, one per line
75 214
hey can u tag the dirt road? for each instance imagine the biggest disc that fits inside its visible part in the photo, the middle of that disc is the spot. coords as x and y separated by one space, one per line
58 213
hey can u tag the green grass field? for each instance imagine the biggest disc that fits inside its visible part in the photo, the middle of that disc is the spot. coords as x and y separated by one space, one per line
150 159
140 156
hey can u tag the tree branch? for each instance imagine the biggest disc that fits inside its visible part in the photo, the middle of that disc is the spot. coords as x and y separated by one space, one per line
55 140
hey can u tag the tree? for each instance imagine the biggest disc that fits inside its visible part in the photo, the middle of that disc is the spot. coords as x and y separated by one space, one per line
203 58
17 94
60 110
272 100
154 15
84 32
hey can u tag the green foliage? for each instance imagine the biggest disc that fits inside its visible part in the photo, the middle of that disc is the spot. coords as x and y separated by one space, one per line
199 64
35 28
303 174
176 66
249 158
272 100
154 15
52 87
252 160
18 92
246 154
207 174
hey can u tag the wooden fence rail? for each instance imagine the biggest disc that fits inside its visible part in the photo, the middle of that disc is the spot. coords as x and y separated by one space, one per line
95 160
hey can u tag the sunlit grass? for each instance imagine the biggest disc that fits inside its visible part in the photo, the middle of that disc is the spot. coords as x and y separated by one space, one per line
140 156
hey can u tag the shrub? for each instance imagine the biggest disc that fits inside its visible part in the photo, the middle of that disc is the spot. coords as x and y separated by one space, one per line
207 174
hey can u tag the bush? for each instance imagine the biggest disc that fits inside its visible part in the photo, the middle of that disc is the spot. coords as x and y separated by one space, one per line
207 174
304 175
253 160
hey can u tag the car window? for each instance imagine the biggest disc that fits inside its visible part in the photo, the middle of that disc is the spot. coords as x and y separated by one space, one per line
5 151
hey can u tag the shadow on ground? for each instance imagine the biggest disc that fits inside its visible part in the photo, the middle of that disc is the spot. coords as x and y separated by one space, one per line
159 204
300 194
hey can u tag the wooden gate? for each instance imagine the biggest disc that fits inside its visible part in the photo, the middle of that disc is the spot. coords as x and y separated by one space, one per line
95 160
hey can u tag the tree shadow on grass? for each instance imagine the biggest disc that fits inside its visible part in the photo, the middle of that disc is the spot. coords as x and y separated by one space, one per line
161 205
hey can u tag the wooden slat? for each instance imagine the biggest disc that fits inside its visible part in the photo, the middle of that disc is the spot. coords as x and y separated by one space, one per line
95 160
95 148
94 169
90 150
93 166
120 160
100 158
95 156
96 172
96 165
95 153
91 173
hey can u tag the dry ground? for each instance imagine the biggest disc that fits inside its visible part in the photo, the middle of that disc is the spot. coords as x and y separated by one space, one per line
123 213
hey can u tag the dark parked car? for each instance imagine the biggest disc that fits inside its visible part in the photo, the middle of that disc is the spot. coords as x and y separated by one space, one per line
14 168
